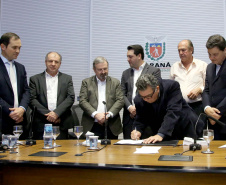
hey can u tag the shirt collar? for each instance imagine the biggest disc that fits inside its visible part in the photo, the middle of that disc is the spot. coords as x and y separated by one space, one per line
5 60
141 67
48 75
98 80
193 63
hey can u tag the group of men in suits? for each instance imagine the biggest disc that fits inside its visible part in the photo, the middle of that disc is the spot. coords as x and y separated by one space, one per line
51 93
148 100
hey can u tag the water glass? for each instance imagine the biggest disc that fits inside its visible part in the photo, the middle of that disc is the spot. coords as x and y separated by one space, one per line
87 138
93 141
48 142
12 143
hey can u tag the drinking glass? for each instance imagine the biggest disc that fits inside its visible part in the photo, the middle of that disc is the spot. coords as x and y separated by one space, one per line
78 130
17 131
12 143
56 133
208 135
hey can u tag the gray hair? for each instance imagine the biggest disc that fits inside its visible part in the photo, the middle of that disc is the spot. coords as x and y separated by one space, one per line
146 80
53 52
98 60
216 41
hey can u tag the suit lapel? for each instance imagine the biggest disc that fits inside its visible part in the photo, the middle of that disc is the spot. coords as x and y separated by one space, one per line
131 78
5 73
108 88
95 87
59 84
146 66
43 83
219 72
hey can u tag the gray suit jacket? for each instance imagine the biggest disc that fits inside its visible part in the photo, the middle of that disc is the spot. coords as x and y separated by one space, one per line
65 99
89 103
127 87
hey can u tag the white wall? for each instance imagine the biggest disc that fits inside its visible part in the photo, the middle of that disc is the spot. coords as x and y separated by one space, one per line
82 30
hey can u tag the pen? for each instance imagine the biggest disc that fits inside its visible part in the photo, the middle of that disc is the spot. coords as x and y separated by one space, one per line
136 133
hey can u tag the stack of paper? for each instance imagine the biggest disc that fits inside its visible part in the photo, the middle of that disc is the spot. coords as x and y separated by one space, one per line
147 150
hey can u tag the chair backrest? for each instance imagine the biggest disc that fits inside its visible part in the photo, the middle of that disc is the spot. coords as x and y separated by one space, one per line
77 114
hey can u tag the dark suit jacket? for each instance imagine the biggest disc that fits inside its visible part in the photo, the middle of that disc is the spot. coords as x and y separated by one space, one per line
214 93
127 87
89 103
7 97
169 115
65 99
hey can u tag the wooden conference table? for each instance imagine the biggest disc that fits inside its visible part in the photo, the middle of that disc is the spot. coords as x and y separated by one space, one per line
115 164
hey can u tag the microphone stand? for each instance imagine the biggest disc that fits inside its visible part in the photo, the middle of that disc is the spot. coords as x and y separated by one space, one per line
105 141
197 146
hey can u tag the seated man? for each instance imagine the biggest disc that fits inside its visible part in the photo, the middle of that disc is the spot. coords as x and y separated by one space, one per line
52 94
161 106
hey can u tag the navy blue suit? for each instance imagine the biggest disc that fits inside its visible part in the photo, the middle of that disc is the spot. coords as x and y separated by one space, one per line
7 97
214 95
169 115
127 88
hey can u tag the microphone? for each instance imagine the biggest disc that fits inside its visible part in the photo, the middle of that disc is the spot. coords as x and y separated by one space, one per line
196 146
217 121
30 141
105 141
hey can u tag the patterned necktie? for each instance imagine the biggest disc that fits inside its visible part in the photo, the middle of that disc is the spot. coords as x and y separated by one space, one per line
14 84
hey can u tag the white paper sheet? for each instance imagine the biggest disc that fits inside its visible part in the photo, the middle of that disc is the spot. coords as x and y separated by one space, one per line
129 141
147 150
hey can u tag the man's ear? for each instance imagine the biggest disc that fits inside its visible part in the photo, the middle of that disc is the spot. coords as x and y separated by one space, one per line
3 47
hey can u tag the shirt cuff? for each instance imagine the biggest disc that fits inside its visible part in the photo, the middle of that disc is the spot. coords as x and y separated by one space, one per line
162 135
129 107
111 114
94 114
206 107
23 108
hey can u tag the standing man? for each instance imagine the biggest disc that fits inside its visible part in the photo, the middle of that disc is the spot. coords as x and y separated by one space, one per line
14 93
52 94
96 90
135 58
214 95
161 106
190 73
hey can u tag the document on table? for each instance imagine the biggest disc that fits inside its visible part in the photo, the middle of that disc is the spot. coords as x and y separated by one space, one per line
223 146
147 150
130 141
188 141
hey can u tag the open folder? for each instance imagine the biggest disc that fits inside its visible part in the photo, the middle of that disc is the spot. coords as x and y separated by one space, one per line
140 142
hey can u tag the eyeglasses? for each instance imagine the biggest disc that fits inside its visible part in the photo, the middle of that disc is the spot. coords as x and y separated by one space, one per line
149 96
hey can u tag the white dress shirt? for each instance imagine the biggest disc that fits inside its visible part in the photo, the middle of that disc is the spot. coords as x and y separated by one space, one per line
189 79
101 97
52 88
137 73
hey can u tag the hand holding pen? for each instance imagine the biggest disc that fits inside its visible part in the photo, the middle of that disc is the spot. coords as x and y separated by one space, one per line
135 134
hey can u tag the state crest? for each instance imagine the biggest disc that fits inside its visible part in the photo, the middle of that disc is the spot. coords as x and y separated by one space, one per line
155 47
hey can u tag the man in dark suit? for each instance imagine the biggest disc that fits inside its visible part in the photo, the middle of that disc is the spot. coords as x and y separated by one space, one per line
214 95
14 93
52 94
94 91
161 106
135 58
